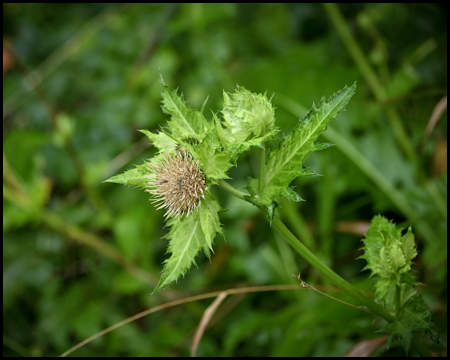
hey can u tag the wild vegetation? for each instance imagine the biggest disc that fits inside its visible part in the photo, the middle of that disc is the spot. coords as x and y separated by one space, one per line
236 176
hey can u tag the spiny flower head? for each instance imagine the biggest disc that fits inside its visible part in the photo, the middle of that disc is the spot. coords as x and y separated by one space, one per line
177 183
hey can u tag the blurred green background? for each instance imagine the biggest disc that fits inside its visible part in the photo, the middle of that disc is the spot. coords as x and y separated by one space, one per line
80 255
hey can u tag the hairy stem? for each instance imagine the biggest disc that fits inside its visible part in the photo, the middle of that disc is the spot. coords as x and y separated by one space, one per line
231 189
315 261
326 271
262 171
397 301
262 165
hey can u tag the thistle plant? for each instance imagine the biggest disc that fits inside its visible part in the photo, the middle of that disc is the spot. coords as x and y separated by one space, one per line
195 154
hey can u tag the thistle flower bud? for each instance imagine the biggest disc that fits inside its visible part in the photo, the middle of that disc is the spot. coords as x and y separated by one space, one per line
248 115
177 183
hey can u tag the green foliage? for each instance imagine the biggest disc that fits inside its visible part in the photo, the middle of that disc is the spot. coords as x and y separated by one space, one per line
189 235
413 316
389 257
285 163
161 141
189 128
249 119
81 254
186 123
134 177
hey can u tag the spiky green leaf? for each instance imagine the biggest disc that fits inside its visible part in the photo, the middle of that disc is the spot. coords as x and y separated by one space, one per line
285 163
134 177
189 235
414 316
215 162
209 218
161 141
185 121
186 240
374 243
408 246
290 194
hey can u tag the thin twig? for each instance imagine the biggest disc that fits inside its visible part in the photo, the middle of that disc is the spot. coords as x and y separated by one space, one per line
179 302
367 347
438 110
207 315
305 285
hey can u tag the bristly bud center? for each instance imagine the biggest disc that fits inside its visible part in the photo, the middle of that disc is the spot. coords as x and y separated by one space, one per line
177 183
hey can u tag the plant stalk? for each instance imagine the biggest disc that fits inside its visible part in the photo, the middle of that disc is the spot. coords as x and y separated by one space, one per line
397 301
315 261
326 271
262 170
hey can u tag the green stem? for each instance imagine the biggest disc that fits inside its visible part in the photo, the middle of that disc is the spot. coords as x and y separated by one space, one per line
397 301
327 272
231 189
297 222
262 165
314 260
262 171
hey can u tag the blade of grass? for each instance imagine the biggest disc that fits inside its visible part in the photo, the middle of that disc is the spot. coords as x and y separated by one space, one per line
369 74
397 198
207 315
325 210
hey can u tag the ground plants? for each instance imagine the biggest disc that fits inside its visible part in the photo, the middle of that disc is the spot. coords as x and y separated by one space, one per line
81 255
196 153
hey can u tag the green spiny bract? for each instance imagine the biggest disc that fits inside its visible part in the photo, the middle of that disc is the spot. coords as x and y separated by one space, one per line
247 115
